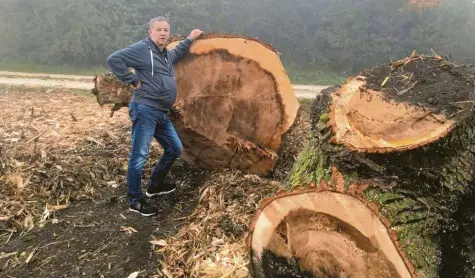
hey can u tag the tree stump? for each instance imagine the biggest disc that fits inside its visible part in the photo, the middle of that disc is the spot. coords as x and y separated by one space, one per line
234 103
392 156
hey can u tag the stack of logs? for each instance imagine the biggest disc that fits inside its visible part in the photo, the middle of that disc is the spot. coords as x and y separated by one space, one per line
385 186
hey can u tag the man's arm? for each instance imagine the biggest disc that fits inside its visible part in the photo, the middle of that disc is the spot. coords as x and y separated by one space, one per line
180 50
184 47
120 61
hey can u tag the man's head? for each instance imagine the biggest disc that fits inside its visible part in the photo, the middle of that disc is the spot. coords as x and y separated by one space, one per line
159 31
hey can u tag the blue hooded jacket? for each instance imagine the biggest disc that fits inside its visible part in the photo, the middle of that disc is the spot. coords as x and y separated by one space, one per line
154 69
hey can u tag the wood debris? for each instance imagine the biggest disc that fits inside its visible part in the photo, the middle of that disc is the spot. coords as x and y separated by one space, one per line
212 244
128 230
39 171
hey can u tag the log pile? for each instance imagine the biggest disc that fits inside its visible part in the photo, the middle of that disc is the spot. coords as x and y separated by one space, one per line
234 104
379 188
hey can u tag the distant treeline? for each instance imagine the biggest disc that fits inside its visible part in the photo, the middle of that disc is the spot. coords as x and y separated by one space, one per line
334 35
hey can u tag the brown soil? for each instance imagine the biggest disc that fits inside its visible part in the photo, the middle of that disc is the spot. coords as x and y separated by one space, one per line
440 85
87 239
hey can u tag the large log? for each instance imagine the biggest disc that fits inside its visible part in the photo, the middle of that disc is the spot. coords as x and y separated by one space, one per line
234 104
392 157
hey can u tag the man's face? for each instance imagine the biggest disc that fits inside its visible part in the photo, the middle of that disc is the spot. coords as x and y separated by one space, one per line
159 33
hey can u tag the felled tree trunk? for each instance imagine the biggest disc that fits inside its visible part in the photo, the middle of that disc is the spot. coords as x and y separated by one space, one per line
235 102
392 155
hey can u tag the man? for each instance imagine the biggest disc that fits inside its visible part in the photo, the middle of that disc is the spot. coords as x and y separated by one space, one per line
154 94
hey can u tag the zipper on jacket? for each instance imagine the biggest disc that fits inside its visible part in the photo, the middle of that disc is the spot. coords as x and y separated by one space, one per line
151 58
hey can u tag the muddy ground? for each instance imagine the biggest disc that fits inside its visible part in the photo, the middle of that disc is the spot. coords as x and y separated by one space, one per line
63 210
90 238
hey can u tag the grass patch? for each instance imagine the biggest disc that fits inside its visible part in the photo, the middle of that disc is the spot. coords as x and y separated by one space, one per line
32 68
314 77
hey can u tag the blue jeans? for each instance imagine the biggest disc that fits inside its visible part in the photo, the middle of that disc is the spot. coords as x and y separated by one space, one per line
148 122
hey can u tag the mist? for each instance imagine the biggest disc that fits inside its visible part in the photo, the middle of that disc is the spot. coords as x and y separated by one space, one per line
339 36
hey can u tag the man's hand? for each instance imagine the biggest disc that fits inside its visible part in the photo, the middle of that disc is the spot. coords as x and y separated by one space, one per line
195 34
137 86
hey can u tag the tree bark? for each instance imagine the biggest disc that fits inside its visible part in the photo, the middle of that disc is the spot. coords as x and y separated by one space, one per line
234 103
398 140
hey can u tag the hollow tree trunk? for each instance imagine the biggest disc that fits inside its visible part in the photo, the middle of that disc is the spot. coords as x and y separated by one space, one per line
234 103
392 155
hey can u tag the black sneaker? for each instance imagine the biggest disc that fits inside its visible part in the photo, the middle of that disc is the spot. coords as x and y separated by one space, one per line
143 208
157 190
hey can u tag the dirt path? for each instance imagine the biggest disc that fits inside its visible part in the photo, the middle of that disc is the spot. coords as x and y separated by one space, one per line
34 82
81 82
59 76
308 91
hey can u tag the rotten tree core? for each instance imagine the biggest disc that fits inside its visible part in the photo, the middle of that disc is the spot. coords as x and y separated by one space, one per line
322 234
230 96
391 108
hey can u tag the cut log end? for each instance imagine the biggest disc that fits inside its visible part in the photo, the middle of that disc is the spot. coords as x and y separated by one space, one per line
315 233
108 89
254 65
231 96
392 109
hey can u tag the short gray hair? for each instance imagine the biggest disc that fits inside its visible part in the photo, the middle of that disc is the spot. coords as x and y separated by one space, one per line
158 19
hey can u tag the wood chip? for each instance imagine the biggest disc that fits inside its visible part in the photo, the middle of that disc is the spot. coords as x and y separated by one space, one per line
128 230
4 218
160 242
31 256
134 274
7 255
408 89
167 273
